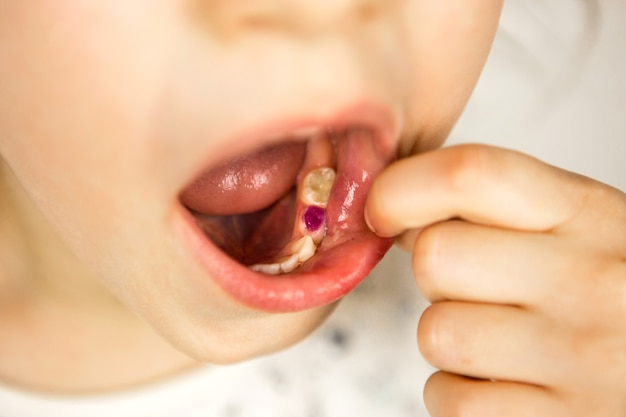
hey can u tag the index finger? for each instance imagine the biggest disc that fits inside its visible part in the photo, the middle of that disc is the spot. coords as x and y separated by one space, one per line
478 183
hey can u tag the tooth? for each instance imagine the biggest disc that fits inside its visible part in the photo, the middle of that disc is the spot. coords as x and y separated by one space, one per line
305 248
316 187
268 269
298 244
301 251
290 263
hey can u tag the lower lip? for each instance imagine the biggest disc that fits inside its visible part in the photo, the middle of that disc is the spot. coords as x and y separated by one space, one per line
324 279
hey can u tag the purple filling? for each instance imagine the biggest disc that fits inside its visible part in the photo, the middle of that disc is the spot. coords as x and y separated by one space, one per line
313 218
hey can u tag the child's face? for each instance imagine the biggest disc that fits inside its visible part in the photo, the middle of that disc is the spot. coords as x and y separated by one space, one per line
110 110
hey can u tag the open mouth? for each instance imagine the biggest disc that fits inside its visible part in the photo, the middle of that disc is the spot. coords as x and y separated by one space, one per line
282 227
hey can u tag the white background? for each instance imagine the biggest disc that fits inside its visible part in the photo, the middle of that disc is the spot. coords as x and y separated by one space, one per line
567 108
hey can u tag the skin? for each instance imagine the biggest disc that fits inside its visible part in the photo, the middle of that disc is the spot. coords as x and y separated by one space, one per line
525 266
108 108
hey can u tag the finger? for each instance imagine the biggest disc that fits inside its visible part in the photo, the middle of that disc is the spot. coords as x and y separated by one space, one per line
453 395
462 261
481 184
457 260
490 342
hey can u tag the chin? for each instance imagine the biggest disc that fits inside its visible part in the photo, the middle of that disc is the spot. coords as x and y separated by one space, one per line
248 338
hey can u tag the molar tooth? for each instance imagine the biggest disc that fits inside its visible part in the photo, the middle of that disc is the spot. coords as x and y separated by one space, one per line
317 185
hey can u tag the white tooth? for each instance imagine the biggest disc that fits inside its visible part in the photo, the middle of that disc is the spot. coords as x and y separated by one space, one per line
307 252
305 248
297 246
290 264
268 269
317 185
301 251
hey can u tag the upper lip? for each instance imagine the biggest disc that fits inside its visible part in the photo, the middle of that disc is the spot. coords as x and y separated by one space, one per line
280 294
371 115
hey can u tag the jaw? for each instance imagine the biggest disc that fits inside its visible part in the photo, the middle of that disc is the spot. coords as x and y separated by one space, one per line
345 256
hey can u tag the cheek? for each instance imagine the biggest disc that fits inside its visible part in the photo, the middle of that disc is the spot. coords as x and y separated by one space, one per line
76 98
77 104
451 40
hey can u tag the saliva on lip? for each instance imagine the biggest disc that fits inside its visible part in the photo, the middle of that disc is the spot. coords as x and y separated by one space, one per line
314 195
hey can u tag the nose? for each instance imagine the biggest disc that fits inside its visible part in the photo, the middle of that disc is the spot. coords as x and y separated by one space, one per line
317 14
229 17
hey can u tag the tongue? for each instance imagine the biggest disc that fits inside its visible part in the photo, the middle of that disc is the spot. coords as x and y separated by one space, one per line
246 184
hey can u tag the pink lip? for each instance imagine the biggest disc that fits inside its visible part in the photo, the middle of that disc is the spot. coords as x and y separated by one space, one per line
326 277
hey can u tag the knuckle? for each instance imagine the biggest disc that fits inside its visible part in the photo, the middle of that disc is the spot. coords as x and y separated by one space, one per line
468 168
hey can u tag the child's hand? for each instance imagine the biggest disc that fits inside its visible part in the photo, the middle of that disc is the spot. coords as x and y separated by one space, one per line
526 267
